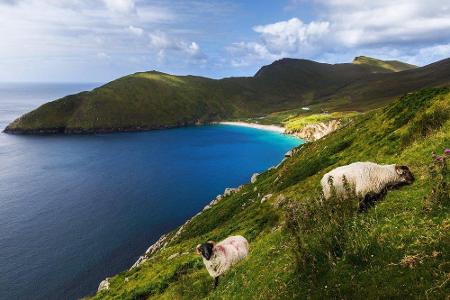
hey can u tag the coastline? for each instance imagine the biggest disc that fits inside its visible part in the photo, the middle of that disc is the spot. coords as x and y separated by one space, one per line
166 238
81 131
273 128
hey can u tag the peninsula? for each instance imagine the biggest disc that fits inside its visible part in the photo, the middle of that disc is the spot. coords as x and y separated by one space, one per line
155 100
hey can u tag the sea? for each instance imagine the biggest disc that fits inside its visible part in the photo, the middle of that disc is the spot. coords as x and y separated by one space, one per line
77 209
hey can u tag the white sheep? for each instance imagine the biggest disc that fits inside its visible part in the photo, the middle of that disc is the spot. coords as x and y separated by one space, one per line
366 178
219 257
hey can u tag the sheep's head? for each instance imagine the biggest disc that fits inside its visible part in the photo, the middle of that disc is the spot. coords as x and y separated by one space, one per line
206 249
405 174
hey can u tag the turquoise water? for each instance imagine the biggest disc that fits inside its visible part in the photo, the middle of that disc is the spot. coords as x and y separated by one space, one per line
76 209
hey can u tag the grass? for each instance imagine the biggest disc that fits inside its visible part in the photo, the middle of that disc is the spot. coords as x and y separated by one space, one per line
383 65
299 122
295 119
396 249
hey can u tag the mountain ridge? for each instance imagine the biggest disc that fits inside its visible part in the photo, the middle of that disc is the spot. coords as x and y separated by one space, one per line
386 65
155 100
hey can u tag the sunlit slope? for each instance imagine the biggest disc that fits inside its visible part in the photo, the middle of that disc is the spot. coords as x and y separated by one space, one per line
152 100
383 65
397 249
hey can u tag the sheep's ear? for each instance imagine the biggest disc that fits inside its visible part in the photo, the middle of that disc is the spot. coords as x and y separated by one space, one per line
212 243
197 249
399 170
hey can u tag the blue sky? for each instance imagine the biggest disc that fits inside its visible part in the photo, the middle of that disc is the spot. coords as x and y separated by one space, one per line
99 40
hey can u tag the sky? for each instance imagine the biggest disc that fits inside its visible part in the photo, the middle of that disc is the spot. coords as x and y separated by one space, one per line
100 40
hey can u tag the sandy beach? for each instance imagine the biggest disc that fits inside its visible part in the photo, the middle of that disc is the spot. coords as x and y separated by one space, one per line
274 128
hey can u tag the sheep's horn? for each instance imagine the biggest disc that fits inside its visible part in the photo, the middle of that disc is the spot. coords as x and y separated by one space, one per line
197 249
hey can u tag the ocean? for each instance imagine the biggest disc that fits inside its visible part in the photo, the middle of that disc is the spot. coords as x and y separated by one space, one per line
77 209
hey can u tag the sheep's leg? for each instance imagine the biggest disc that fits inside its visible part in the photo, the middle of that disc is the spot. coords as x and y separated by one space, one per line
363 203
216 281
367 202
370 199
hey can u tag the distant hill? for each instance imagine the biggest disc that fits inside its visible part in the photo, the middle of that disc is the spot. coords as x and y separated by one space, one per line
383 65
153 100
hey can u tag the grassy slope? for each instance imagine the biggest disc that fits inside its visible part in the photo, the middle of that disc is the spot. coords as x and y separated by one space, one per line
299 122
378 88
383 65
148 100
151 100
355 256
296 119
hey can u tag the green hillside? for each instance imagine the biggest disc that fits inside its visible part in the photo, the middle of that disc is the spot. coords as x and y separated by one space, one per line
297 123
383 65
152 100
302 247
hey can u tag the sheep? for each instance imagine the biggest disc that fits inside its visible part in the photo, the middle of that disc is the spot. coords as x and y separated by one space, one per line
219 257
368 179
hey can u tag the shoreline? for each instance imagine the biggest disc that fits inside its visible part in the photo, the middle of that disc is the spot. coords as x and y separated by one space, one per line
80 131
273 128
88 131
167 237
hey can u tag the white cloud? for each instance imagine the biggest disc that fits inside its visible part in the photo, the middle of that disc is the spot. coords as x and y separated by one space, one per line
428 54
56 36
135 30
193 49
103 55
249 53
404 29
159 40
292 37
120 6
163 44
382 22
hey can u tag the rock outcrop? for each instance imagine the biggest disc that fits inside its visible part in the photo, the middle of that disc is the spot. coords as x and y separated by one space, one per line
254 177
165 239
159 244
266 197
104 285
288 154
313 132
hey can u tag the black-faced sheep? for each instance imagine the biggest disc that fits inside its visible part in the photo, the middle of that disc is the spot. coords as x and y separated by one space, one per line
368 179
219 257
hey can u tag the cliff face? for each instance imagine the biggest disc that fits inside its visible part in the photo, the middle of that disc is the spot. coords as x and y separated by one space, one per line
313 132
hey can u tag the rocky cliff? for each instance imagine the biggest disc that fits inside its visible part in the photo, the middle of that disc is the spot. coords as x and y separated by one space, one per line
313 132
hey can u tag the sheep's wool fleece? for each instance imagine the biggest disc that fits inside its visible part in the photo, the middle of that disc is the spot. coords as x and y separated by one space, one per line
225 254
365 177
